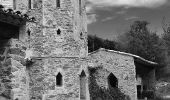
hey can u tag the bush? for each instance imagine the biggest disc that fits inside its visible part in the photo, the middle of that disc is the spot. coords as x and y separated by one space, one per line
98 93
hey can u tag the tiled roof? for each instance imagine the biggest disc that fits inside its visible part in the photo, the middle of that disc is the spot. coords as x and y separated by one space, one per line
14 17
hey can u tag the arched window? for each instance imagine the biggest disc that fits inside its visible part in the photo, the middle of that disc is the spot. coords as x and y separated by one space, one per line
58 32
112 81
82 85
58 3
59 79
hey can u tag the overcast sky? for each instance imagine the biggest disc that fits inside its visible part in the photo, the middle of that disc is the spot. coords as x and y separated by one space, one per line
109 18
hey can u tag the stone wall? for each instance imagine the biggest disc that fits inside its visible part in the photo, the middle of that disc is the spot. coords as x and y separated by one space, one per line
13 84
52 52
121 65
72 42
43 78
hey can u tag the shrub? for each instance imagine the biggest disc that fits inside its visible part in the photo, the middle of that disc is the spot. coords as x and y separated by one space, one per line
98 93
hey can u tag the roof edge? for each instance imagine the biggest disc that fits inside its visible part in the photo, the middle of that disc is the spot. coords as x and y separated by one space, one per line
128 54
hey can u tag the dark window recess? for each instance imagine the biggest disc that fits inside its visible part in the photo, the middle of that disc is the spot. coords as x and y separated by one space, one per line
82 85
29 4
8 31
58 3
81 35
139 91
112 81
59 79
58 32
28 32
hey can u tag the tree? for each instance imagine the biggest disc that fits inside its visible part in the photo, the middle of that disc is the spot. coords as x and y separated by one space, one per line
166 39
94 43
140 41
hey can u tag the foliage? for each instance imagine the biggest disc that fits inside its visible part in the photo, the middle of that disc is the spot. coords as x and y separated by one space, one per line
98 93
166 39
140 41
94 43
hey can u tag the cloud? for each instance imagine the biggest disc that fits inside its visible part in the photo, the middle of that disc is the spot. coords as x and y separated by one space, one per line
91 18
131 18
107 19
127 3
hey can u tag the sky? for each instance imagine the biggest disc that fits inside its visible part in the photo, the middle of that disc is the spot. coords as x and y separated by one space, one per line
109 19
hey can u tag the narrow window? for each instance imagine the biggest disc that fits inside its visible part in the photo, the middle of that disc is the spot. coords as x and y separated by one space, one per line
28 32
81 35
58 32
58 3
59 78
112 81
80 7
29 4
82 85
14 4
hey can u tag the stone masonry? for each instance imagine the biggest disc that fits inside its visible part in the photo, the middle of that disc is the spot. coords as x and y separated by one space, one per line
121 65
49 60
13 73
57 43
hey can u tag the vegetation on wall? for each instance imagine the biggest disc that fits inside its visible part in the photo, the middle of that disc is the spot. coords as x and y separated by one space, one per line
98 93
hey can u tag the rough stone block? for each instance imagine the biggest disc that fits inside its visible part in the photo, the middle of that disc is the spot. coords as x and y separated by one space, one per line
17 51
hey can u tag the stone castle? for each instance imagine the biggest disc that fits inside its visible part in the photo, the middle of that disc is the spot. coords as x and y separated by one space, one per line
47 59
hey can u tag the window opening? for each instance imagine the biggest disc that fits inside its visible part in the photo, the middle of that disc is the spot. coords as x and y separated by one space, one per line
139 91
58 32
58 3
29 4
59 79
112 80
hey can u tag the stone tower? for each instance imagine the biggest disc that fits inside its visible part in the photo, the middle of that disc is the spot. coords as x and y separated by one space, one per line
60 29
57 46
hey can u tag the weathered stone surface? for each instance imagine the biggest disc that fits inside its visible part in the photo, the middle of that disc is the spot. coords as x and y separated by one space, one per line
13 75
122 66
57 43
43 74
